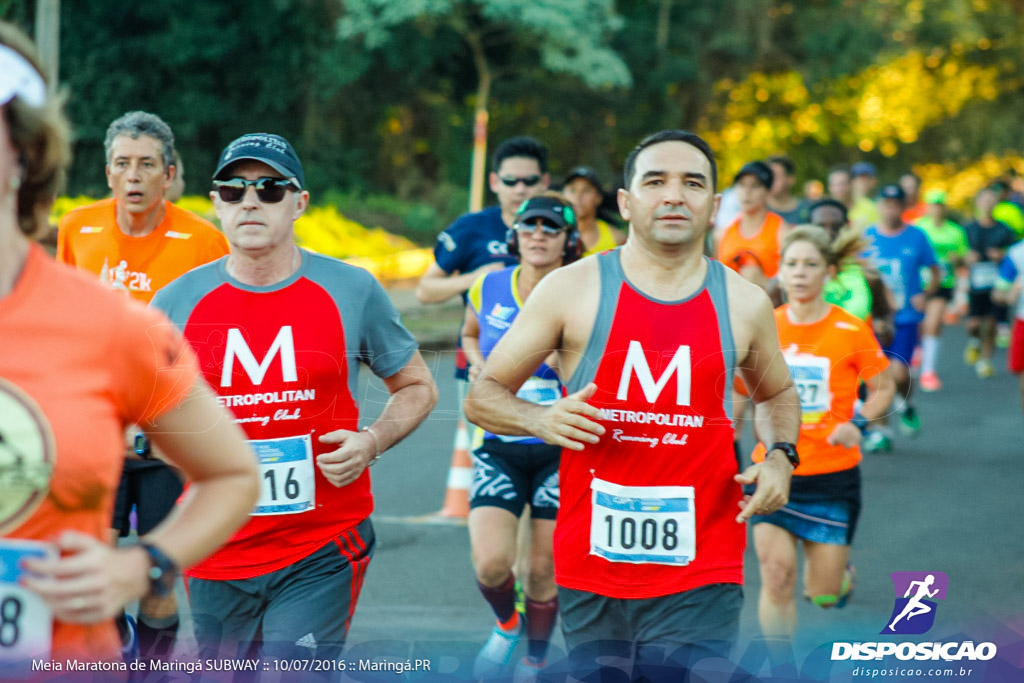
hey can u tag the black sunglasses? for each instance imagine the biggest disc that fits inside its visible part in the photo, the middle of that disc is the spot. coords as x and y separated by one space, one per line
529 180
268 190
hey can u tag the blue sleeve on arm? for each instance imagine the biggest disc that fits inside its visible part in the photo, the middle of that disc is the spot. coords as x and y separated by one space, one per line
449 251
1008 270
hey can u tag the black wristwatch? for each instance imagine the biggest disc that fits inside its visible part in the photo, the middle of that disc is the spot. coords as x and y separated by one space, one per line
142 448
788 449
162 571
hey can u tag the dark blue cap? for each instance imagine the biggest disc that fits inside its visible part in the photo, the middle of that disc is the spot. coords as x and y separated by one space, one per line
863 168
587 174
759 170
558 212
892 192
273 150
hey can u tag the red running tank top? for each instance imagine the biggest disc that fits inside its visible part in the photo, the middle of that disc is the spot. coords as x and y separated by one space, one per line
650 509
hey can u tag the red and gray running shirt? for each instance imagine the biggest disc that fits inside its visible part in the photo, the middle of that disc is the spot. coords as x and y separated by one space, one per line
650 509
284 359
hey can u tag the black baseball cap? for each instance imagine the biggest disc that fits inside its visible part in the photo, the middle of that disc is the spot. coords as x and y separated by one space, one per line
892 192
273 150
556 211
587 174
759 170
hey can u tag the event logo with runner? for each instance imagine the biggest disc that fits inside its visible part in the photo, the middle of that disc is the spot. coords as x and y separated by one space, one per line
26 456
916 592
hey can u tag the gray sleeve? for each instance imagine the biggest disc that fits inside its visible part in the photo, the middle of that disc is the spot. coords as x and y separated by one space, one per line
384 343
179 298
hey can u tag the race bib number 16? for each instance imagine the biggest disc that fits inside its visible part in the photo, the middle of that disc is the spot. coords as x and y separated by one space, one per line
26 625
643 524
286 475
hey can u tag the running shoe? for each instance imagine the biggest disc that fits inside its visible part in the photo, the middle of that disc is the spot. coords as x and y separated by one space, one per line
876 442
915 359
984 369
930 382
971 353
846 591
527 669
910 423
497 652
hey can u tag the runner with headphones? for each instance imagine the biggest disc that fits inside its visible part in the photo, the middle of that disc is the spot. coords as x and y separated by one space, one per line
511 471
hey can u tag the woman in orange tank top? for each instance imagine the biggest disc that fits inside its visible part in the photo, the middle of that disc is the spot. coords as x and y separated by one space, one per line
828 351
77 363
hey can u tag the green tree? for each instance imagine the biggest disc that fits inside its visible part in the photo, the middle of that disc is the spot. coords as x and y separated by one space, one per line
568 37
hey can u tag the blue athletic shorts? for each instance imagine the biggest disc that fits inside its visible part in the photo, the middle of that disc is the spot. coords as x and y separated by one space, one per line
824 521
903 342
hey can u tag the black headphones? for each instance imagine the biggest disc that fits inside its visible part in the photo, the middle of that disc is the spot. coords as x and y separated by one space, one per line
571 250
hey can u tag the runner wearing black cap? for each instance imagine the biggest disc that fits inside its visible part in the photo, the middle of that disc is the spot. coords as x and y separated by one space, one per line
280 333
750 246
584 191
510 472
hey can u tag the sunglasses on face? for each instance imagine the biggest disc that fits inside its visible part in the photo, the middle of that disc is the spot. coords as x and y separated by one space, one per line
546 229
529 180
268 190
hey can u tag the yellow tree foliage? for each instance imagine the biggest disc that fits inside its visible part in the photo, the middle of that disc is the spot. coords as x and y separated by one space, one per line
962 182
882 107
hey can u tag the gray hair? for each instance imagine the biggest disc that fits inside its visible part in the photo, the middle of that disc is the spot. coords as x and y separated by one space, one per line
138 123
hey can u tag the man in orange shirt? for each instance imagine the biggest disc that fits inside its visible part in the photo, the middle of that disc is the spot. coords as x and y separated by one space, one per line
137 241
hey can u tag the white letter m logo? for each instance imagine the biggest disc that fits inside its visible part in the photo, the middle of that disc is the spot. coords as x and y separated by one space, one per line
237 348
636 362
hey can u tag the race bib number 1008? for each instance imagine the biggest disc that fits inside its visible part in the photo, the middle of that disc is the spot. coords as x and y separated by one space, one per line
643 524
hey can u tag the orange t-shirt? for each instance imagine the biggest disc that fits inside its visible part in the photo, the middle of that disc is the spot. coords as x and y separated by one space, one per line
88 237
827 359
914 213
736 251
77 363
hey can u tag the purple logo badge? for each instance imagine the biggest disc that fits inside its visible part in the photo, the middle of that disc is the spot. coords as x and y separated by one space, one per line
916 592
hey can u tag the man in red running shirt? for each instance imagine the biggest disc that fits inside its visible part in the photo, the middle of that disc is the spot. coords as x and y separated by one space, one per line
648 544
280 333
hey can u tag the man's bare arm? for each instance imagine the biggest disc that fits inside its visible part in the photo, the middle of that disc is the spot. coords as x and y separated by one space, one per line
536 332
413 395
776 409
437 286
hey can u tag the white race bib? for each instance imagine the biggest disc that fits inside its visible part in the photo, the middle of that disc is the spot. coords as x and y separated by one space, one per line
643 524
811 374
26 624
984 275
540 391
287 484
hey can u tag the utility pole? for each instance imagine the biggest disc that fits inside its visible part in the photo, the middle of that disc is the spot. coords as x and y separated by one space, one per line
48 39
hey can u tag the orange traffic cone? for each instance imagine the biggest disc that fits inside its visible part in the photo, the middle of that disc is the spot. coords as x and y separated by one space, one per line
460 476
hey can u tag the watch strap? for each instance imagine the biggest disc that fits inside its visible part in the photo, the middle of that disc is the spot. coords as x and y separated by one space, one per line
788 449
162 570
